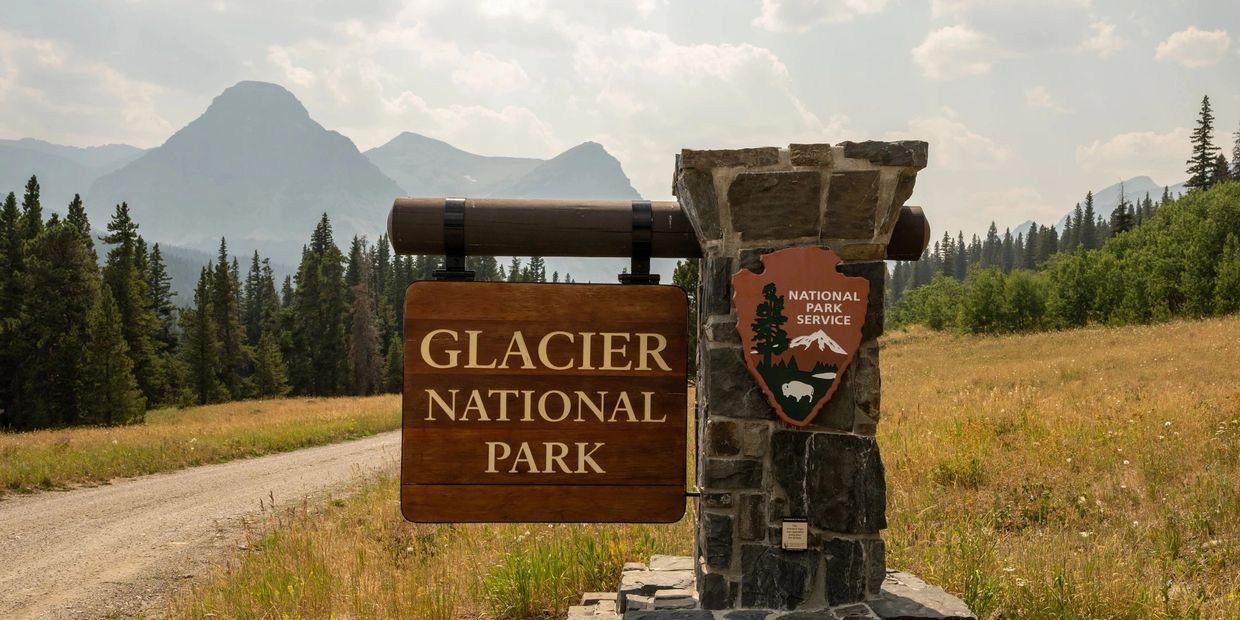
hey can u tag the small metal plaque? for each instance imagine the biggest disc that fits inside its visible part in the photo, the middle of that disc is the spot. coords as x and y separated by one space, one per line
796 534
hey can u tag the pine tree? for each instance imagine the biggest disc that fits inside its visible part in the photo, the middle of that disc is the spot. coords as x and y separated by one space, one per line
687 277
1007 255
1089 225
235 356
991 248
108 393
1201 164
319 364
365 361
1221 173
1121 219
80 222
200 349
10 305
1235 157
128 286
32 210
514 270
270 380
1048 245
159 283
962 255
768 327
537 269
394 365
61 281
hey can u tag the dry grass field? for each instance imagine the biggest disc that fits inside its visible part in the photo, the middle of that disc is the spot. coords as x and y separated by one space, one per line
176 438
1084 474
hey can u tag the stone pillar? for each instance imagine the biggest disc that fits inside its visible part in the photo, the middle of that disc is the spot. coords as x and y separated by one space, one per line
754 470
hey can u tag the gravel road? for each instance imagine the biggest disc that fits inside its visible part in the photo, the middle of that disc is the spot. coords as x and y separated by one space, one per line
119 549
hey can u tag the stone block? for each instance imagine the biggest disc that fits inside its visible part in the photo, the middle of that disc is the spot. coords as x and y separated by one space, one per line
715 591
810 154
775 205
905 182
751 517
717 500
852 201
751 259
695 190
754 439
859 611
816 614
747 614
772 578
910 153
732 474
591 598
718 540
671 562
844 570
867 382
669 614
722 330
722 438
844 486
646 583
787 458
840 412
905 597
638 601
730 390
674 599
628 566
750 158
875 565
716 274
876 273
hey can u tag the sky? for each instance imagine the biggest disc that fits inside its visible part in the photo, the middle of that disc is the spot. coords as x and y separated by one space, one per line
1026 104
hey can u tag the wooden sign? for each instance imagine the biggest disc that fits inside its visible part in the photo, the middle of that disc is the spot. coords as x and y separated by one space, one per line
800 326
544 403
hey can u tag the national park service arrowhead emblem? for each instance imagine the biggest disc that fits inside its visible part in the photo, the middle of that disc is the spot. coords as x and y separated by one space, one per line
800 326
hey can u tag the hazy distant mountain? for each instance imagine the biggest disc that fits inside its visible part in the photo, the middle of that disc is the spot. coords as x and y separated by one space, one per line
62 170
1106 199
586 171
424 166
257 169
254 168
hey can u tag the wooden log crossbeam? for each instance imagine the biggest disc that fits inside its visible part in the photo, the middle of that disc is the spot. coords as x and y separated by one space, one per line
581 228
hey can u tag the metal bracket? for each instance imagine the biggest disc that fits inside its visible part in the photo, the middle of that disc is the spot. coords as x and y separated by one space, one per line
453 243
643 235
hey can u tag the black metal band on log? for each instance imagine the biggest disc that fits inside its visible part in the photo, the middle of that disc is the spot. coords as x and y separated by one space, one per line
585 228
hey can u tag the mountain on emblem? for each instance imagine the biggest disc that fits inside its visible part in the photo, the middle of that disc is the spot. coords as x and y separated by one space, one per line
821 339
783 316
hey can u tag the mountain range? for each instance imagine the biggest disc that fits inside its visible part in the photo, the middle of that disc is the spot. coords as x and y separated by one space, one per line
256 168
1107 198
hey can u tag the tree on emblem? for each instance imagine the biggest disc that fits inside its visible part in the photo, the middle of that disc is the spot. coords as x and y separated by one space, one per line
768 327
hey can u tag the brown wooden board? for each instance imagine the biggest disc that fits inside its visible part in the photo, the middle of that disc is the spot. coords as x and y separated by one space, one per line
800 325
554 403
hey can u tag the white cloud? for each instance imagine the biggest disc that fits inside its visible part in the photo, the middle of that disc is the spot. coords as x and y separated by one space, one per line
942 8
653 96
1158 155
955 52
1102 39
1194 48
801 15
1039 97
279 56
50 91
483 71
953 146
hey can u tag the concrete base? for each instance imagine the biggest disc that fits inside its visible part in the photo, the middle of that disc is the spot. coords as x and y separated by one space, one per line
659 591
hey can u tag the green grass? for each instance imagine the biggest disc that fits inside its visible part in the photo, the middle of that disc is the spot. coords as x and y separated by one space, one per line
177 438
1085 474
